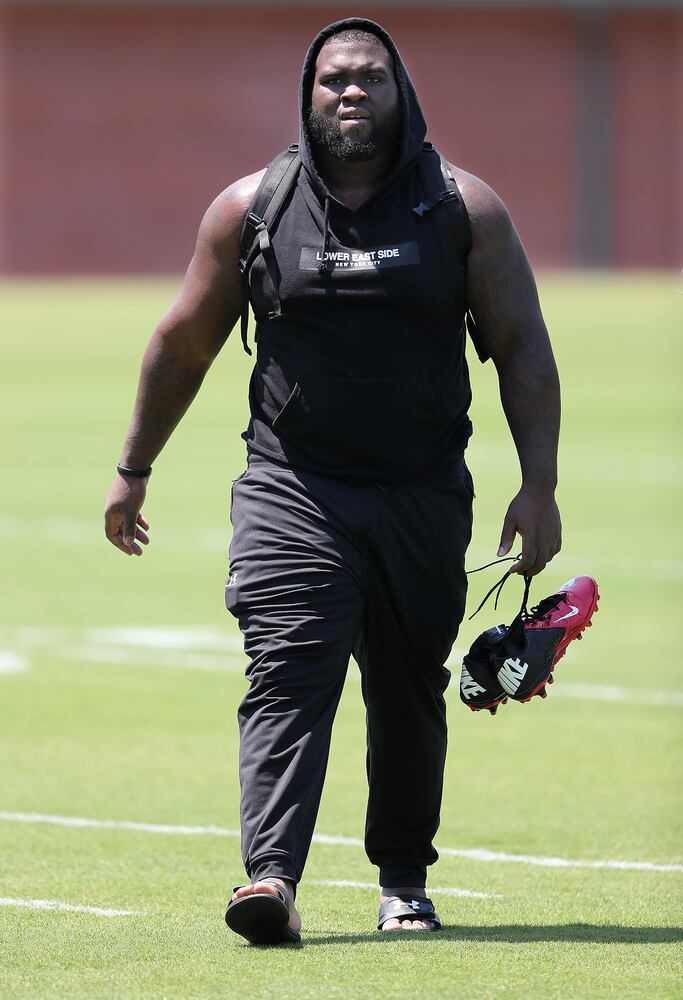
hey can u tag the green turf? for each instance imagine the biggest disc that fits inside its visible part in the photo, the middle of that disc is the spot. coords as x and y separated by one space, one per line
136 738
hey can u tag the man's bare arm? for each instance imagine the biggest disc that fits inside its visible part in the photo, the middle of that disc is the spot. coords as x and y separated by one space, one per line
503 299
179 354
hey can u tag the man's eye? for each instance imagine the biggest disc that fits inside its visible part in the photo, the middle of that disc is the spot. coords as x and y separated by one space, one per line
331 79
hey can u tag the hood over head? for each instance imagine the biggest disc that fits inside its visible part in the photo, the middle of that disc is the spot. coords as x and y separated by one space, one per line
413 126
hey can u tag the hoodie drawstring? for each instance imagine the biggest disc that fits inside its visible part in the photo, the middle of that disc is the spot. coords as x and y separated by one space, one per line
323 265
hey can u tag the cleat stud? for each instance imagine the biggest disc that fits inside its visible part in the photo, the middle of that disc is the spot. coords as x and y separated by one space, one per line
551 679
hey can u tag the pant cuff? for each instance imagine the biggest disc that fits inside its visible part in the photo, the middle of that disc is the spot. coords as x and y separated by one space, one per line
402 873
278 867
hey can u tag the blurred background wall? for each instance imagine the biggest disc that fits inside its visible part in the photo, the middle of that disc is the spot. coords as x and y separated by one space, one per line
119 122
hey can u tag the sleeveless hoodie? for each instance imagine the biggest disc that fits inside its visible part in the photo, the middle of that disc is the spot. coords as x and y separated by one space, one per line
362 374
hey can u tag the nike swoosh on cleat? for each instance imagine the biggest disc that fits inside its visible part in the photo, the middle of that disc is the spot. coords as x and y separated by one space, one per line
574 611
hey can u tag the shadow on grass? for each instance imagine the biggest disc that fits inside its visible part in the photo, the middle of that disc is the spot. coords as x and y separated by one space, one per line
515 934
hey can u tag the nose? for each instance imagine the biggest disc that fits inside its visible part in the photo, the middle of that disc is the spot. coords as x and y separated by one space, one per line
352 92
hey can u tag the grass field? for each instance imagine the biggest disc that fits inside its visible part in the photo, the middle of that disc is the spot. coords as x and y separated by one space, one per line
120 678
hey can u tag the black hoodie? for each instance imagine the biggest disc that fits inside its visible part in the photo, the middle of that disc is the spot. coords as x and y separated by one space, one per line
362 375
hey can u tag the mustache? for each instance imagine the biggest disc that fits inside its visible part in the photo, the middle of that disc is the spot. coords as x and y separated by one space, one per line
325 133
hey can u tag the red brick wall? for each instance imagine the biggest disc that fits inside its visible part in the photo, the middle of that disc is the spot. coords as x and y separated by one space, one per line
649 140
121 125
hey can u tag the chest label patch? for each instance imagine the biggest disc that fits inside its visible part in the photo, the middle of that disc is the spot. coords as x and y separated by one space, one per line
373 259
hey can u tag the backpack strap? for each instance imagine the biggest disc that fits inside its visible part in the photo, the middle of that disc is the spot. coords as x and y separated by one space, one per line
455 223
263 214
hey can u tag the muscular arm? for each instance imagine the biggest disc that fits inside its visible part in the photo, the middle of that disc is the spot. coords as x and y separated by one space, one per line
179 354
503 299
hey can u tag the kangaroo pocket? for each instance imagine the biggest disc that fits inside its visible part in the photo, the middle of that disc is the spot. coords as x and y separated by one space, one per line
361 422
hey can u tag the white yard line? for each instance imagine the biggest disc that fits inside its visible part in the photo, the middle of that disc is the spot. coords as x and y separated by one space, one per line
12 662
443 891
595 692
210 648
610 692
472 854
229 662
184 638
55 904
118 824
481 854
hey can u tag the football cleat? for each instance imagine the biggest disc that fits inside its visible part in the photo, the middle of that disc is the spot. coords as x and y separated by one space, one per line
518 662
538 639
580 603
479 687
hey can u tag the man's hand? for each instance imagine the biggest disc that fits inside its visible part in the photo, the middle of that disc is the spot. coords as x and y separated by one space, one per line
533 514
124 525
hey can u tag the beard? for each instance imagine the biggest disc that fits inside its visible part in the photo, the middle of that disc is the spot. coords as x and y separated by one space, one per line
326 133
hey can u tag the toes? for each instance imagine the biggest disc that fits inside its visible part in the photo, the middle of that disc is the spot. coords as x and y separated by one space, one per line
407 925
392 925
248 890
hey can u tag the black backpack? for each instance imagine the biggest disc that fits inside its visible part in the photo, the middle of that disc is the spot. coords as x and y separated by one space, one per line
278 181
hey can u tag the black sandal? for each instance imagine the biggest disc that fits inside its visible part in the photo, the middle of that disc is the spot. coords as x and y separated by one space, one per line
412 907
261 917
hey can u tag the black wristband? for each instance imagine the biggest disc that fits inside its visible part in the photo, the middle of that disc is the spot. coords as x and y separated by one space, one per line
135 473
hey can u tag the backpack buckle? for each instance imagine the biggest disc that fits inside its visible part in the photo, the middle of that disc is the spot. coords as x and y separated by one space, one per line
430 203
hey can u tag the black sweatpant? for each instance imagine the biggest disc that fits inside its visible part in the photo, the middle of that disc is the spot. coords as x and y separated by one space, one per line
320 568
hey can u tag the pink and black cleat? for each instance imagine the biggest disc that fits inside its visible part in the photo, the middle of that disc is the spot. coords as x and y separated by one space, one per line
538 639
479 687
580 603
517 662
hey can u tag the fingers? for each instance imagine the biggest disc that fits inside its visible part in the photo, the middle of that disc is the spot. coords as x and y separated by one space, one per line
113 532
536 519
535 558
143 539
507 537
129 523
529 561
124 525
124 533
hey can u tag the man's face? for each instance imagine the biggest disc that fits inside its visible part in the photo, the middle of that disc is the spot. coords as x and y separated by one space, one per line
355 112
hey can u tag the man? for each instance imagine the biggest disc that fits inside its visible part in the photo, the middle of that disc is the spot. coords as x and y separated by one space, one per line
352 520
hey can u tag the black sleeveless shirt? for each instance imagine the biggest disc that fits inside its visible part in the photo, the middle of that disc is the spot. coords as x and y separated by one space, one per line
363 373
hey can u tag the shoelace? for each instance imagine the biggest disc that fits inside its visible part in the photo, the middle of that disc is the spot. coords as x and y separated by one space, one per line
539 610
498 587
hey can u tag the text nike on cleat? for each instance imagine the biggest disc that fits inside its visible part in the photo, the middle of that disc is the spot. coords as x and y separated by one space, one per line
479 687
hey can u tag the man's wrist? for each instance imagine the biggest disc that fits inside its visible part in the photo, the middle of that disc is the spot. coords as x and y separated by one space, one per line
542 487
129 472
